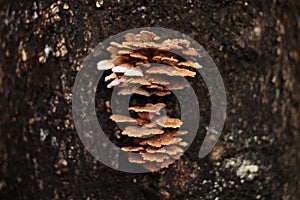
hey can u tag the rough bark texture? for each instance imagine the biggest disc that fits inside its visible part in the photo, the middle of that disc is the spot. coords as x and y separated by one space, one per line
255 46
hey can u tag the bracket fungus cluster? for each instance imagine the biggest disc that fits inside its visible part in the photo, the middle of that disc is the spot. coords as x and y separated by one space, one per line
149 66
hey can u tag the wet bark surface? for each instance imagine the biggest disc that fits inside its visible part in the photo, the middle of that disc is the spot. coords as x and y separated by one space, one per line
256 48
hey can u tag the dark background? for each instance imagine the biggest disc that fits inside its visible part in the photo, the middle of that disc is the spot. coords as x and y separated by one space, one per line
255 45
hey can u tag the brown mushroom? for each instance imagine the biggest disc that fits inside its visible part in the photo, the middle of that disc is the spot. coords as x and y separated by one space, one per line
131 70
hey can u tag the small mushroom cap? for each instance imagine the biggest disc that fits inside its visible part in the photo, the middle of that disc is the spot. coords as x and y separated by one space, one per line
134 45
172 44
129 91
105 65
154 157
162 70
159 140
183 43
154 150
173 150
138 80
169 150
170 71
160 93
190 52
167 122
155 79
124 52
142 63
177 156
115 44
136 158
148 36
130 37
176 140
122 118
138 56
178 85
133 131
120 69
143 122
152 167
149 108
155 86
150 125
190 64
157 58
118 60
180 133
169 59
113 50
183 144
132 149
110 77
114 83
166 163
185 72
134 72
145 116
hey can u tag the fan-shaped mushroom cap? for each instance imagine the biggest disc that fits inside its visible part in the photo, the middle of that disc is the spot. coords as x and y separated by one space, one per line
155 79
173 150
154 157
130 37
138 80
160 92
122 118
138 56
190 64
167 122
148 36
170 71
130 90
110 77
158 140
183 144
132 149
133 131
149 107
190 52
136 158
120 69
105 65
134 72
152 167
118 60
169 59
